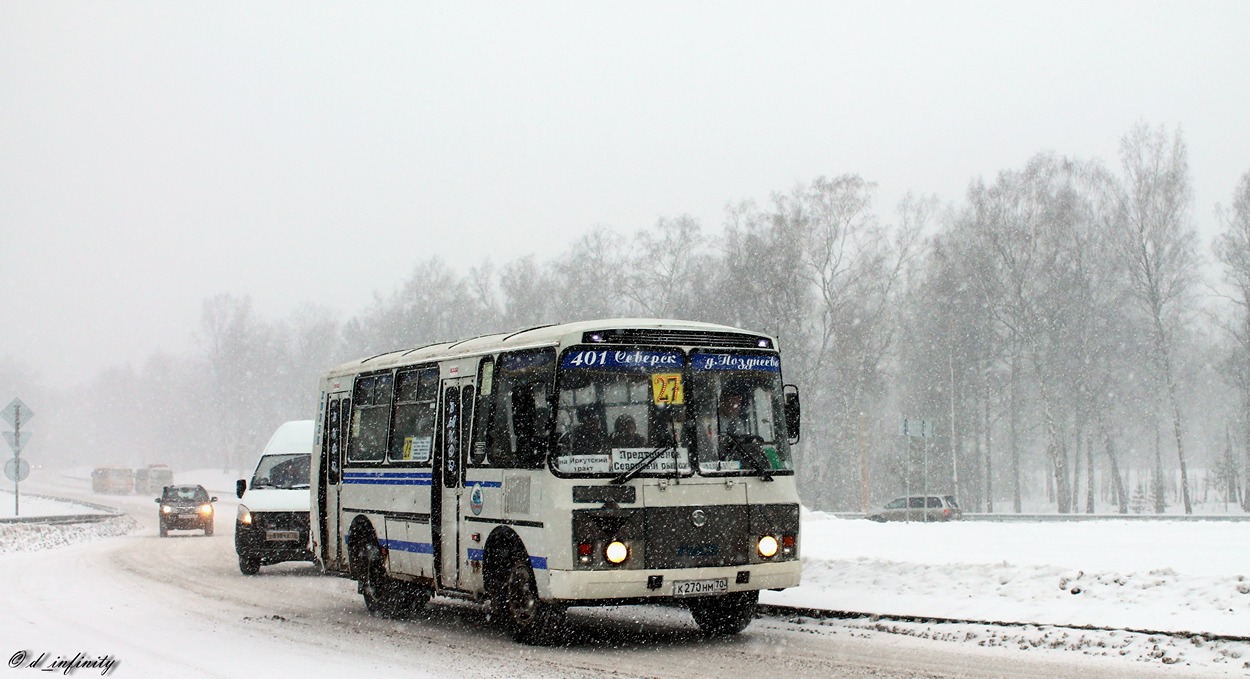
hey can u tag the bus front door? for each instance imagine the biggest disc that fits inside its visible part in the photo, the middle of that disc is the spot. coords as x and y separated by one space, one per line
449 497
333 443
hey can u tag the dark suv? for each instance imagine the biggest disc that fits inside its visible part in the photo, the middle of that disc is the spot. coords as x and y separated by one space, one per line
186 508
919 508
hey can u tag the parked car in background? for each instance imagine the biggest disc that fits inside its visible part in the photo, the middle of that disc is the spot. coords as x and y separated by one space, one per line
152 478
186 508
117 480
918 508
272 524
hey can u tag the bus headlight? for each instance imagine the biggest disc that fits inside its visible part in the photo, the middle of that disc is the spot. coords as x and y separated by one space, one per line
768 546
616 552
245 517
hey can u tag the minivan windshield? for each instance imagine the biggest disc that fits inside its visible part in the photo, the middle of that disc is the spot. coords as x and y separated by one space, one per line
285 470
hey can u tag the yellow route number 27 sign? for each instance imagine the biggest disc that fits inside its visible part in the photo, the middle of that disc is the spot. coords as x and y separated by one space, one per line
666 389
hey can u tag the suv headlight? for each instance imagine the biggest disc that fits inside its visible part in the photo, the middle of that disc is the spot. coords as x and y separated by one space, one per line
245 516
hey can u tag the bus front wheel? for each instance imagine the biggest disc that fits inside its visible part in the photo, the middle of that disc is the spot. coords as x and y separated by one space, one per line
384 596
516 605
725 615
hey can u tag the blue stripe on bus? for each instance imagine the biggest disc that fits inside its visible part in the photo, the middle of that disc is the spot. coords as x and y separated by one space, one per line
388 478
539 562
388 482
484 484
416 475
414 547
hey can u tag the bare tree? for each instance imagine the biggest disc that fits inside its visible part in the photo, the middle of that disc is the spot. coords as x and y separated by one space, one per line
588 279
242 355
857 268
664 267
1232 249
1158 246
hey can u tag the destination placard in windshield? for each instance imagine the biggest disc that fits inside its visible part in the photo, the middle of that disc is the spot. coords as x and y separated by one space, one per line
756 362
624 359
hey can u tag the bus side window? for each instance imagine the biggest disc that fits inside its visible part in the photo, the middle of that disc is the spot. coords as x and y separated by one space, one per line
521 429
480 444
370 418
412 420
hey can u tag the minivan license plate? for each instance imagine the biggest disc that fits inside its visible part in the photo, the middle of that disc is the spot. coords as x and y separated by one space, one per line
700 587
282 535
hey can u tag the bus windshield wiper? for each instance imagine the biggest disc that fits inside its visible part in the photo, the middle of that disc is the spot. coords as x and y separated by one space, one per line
642 464
751 451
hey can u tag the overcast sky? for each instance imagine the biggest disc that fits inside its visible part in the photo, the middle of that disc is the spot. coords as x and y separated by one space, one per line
153 154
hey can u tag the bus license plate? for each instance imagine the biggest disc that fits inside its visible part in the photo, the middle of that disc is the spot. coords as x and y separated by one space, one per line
700 587
282 535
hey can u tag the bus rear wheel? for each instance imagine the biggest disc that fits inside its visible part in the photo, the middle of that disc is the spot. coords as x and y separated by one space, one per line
725 615
515 604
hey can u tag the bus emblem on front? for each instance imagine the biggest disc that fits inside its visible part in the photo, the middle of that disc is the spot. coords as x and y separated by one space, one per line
699 518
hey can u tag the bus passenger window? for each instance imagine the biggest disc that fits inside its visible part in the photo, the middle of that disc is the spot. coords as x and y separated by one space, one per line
478 456
522 425
412 423
370 413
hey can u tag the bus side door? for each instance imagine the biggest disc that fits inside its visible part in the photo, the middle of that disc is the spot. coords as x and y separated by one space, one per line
333 443
456 425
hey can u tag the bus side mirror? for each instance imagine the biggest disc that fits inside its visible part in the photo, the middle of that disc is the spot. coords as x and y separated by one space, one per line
794 413
240 487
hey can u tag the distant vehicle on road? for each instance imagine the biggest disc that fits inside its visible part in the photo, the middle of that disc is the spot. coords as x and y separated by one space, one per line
186 508
272 525
152 478
922 508
117 480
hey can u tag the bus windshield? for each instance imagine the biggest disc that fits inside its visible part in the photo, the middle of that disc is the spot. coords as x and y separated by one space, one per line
738 413
616 408
621 409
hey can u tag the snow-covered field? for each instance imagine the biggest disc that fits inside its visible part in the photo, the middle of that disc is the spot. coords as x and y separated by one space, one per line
29 506
1166 576
1169 576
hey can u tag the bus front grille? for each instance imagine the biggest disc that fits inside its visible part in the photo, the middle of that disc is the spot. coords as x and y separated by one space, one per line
675 538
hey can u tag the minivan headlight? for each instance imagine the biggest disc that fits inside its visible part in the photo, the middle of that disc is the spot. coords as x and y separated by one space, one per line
245 516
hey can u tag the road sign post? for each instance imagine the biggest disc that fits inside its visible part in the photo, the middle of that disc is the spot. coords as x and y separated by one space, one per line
14 414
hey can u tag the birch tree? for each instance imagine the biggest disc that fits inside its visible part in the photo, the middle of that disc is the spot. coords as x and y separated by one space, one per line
1232 249
1158 247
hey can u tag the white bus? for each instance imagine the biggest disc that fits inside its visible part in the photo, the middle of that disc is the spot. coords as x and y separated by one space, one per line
592 463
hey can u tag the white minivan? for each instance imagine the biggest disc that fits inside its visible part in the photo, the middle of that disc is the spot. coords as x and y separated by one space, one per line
272 525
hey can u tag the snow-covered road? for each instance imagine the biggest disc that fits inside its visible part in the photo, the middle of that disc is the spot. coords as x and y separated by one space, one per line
179 607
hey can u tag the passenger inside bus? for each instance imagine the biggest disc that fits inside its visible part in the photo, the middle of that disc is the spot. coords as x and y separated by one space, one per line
731 414
589 434
625 433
